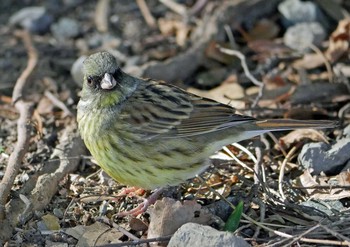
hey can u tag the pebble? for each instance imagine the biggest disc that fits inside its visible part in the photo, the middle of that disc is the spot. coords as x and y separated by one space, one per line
327 158
65 28
302 35
296 11
211 78
34 19
77 71
196 235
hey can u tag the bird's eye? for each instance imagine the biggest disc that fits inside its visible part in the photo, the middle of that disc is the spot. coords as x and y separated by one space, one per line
89 80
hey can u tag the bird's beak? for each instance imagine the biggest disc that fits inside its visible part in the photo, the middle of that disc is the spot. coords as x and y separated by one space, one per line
108 82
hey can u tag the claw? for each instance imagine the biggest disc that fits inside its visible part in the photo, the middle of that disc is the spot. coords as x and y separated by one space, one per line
142 207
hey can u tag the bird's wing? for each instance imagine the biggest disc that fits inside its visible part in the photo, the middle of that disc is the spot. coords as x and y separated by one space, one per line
165 111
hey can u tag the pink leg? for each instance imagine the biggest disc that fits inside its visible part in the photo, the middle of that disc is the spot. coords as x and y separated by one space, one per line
144 205
131 191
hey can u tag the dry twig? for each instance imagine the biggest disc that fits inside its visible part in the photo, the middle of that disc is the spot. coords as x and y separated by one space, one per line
151 22
256 82
101 15
25 110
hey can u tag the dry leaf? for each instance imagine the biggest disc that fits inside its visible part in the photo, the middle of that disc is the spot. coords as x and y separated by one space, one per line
227 93
170 27
263 29
310 61
339 41
342 179
96 234
300 135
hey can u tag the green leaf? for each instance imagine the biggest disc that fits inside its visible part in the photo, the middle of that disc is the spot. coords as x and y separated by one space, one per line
234 219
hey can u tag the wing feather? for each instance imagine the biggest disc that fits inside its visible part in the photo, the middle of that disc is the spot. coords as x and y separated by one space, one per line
163 110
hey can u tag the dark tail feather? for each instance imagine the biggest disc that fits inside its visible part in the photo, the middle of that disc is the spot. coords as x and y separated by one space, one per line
289 124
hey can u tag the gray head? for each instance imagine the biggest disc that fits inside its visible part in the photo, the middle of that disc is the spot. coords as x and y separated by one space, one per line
100 71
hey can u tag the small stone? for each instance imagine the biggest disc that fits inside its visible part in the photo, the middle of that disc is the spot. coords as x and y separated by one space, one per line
296 11
58 213
48 222
211 78
77 71
196 235
65 28
322 157
301 36
327 207
34 19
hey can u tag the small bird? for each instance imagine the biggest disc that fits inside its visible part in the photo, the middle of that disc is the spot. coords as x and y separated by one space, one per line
151 134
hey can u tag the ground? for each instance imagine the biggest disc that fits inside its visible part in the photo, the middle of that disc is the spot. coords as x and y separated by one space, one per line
236 52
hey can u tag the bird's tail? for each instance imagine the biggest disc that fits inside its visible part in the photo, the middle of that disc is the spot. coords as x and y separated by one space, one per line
289 124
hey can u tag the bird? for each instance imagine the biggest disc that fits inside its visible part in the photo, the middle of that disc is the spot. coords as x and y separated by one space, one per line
150 134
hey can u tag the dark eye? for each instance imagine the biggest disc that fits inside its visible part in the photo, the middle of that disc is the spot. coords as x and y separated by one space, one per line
89 80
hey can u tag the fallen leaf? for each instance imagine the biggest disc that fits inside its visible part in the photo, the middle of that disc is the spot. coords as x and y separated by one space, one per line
96 234
300 135
227 93
329 192
264 29
339 41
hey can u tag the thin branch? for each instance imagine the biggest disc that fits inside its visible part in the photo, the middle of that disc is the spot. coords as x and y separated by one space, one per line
281 175
256 82
146 13
58 103
25 110
101 15
174 6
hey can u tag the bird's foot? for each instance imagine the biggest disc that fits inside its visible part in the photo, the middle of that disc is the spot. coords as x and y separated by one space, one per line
131 191
142 207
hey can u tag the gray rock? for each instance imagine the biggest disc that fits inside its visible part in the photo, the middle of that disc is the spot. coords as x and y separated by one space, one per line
301 36
211 78
327 207
322 157
196 235
346 131
65 28
34 19
77 71
296 11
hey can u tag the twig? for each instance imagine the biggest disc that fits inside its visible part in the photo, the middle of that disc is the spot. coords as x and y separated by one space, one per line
198 6
105 220
275 140
139 242
151 22
230 37
281 175
32 61
176 7
58 103
326 62
335 234
25 110
101 15
278 233
236 159
256 82
40 189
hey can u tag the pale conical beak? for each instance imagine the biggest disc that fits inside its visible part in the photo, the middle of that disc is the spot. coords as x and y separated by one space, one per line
108 82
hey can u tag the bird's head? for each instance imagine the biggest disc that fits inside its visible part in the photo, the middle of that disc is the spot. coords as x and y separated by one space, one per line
105 83
101 71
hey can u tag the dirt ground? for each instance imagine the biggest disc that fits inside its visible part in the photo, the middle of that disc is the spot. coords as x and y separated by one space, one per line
294 185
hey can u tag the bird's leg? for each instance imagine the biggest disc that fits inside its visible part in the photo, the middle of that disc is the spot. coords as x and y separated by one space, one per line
131 191
142 207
